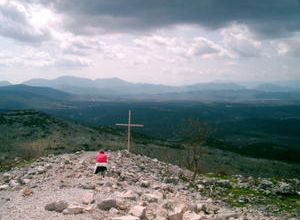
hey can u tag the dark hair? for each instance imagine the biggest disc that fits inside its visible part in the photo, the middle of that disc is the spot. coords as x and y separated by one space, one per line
101 151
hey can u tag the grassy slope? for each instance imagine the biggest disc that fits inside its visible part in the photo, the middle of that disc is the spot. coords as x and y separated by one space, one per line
29 134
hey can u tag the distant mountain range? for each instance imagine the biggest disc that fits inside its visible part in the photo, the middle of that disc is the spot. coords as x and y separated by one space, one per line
43 92
4 83
118 87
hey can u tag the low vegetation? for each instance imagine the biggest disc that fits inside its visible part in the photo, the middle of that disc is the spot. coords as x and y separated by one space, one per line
27 134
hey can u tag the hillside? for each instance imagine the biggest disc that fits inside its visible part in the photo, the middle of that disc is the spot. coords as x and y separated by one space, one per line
247 129
136 188
4 83
27 134
23 96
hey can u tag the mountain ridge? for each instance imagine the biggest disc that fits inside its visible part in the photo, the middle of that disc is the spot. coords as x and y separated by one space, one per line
118 87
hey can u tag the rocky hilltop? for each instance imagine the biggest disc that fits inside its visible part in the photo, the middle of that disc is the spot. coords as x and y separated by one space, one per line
138 187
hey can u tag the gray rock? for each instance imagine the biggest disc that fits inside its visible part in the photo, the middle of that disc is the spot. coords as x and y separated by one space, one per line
73 209
153 197
284 189
107 204
41 169
175 210
226 215
265 184
145 183
87 198
138 211
126 217
223 183
58 206
13 183
48 166
172 180
31 172
6 177
4 187
114 211
25 181
131 195
87 186
189 215
210 208
200 207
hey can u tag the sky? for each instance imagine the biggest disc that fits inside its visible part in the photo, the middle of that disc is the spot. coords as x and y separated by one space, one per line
172 42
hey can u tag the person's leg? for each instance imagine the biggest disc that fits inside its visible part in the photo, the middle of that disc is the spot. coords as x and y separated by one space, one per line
96 169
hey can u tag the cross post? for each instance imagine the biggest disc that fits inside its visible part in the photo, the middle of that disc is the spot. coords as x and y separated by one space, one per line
129 125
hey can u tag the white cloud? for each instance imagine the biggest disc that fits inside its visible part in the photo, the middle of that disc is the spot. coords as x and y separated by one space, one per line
287 47
25 23
240 42
182 48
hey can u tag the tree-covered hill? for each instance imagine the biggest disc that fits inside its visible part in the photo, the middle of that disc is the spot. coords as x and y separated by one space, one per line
28 134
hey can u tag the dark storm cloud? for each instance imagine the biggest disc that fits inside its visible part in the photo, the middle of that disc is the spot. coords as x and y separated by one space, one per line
270 18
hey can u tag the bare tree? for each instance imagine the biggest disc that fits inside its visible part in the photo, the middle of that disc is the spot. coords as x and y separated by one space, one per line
195 133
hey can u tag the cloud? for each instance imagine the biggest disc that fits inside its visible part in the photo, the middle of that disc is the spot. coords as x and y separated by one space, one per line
289 46
240 41
181 48
270 19
37 58
19 22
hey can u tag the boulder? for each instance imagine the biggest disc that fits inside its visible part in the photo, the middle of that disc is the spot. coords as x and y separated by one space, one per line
226 215
4 187
131 195
265 184
223 183
284 189
48 166
73 209
107 204
172 180
27 192
175 210
189 215
31 172
87 198
145 183
210 208
126 217
200 207
90 208
114 211
138 211
41 169
58 206
6 177
160 218
153 197
87 186
13 183
25 181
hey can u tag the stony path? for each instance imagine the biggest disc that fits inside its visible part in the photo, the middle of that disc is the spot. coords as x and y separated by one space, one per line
137 187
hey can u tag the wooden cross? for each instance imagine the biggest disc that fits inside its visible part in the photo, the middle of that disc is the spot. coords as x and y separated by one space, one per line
129 125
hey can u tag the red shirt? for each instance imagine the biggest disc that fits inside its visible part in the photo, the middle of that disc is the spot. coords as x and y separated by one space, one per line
101 158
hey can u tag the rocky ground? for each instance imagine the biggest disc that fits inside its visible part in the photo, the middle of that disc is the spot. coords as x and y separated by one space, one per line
137 187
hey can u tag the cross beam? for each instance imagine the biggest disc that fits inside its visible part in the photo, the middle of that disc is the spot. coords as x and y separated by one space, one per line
129 125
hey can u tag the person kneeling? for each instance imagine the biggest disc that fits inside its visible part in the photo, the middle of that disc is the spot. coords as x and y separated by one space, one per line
101 163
